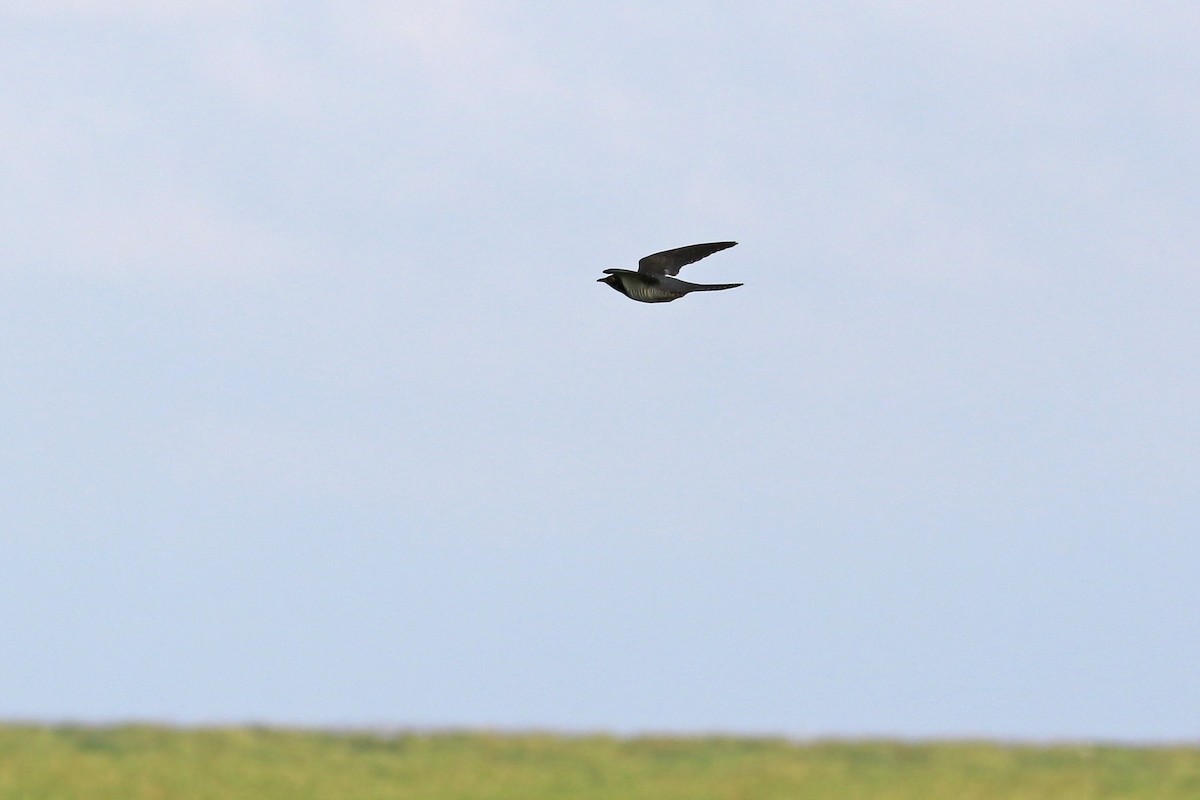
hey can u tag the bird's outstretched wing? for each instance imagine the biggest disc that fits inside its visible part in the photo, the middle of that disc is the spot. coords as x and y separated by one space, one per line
669 262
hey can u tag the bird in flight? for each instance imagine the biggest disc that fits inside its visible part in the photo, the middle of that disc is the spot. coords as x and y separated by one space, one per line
654 281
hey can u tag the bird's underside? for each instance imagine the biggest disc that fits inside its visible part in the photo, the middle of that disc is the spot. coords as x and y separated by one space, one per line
653 282
645 289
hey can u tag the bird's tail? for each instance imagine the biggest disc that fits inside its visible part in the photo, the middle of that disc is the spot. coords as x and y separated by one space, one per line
711 287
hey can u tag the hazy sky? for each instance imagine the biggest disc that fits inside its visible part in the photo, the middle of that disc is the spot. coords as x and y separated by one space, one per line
313 412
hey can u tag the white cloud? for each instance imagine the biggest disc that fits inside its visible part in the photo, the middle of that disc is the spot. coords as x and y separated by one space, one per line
1037 27
264 77
176 237
461 50
160 237
98 193
123 9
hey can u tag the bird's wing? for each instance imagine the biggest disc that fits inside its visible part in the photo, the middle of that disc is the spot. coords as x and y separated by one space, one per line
669 262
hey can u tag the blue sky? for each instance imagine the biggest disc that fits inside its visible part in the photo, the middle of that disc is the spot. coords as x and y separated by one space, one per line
313 412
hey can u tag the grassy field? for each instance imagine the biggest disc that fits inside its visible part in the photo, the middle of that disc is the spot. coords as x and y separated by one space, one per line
145 763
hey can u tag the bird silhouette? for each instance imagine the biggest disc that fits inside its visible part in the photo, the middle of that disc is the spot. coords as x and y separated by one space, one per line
654 281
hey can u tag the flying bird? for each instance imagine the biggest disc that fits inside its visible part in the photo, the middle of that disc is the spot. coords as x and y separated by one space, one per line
654 282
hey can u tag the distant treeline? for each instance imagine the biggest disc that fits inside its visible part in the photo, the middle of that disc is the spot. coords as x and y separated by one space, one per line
144 762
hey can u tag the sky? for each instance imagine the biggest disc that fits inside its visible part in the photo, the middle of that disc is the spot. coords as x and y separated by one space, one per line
312 412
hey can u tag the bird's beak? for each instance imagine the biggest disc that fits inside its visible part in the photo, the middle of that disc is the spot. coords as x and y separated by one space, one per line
601 280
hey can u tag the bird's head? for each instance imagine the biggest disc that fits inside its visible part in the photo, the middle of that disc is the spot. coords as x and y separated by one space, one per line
610 278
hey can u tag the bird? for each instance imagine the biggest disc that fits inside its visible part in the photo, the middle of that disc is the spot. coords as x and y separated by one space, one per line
654 281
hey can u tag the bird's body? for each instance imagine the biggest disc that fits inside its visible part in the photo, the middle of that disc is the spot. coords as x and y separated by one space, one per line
662 289
654 282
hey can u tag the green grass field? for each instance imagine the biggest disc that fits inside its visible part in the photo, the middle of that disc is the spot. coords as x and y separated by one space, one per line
145 763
